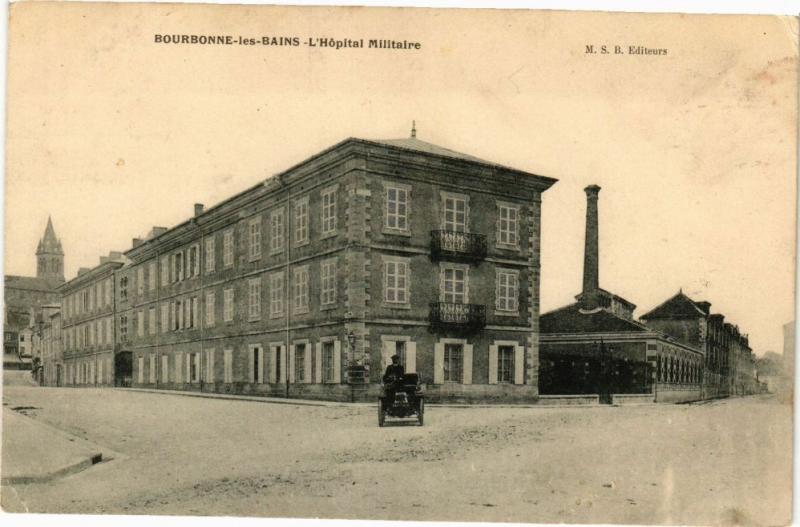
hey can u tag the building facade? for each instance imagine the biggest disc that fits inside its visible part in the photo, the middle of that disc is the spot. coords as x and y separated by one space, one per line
595 347
729 367
24 297
305 285
88 328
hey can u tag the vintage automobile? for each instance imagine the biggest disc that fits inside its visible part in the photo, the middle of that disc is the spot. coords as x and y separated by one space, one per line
402 398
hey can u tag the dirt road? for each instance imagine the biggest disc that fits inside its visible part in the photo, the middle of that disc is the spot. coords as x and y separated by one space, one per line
717 463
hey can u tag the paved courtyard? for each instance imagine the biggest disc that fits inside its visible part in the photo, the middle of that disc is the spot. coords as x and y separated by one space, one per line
723 462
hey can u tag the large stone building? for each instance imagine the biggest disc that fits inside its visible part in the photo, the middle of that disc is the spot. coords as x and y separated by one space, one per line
88 325
304 285
24 297
595 347
729 365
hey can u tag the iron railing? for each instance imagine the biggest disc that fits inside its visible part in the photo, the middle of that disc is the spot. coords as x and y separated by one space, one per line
460 317
458 245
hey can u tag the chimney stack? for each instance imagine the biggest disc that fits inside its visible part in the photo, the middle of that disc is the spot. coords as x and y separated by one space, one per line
591 254
198 209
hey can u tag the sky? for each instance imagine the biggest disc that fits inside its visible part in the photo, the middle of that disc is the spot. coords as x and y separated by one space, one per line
695 151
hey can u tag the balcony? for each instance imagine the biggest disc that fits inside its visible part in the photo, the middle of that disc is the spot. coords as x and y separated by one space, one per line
461 246
463 318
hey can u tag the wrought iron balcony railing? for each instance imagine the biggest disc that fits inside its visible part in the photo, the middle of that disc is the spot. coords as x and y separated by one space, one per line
458 245
461 317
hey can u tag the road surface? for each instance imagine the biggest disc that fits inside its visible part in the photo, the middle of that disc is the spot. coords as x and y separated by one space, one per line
725 462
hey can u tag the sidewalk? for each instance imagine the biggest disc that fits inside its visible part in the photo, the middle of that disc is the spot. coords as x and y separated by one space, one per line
340 404
33 452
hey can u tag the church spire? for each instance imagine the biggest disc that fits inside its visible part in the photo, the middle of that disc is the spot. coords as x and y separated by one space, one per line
50 254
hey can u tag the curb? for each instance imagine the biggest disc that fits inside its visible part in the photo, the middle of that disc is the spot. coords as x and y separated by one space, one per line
342 404
63 471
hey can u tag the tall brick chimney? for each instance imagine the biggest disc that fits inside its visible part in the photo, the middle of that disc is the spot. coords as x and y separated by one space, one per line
591 253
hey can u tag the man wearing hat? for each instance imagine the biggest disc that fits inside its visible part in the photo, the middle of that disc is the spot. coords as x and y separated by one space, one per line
393 377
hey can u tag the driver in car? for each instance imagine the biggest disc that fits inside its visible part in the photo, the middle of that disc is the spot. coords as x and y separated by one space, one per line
393 377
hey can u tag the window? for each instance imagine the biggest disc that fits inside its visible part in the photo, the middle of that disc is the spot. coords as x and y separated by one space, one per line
397 207
328 279
508 225
123 328
455 213
454 285
453 362
300 363
194 367
99 330
276 230
164 271
276 294
140 280
140 373
300 287
164 317
209 358
151 278
254 238
396 281
227 360
400 351
301 221
505 364
99 294
329 211
210 301
140 323
108 330
210 255
152 368
192 307
227 305
165 368
227 248
177 261
256 358
507 291
90 293
193 261
254 299
152 321
328 350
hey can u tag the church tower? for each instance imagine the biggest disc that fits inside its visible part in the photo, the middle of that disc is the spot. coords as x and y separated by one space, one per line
50 255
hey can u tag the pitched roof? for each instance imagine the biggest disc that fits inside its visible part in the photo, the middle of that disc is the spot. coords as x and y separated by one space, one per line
571 319
412 143
31 283
679 306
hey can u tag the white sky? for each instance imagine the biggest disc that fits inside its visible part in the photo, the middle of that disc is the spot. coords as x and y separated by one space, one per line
112 134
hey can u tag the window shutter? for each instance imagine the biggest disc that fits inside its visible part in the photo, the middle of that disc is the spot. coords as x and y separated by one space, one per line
307 364
189 358
387 350
493 364
173 272
411 357
211 370
318 360
196 260
250 371
178 368
273 364
165 368
141 370
438 363
260 365
519 365
291 363
100 371
467 364
195 312
337 361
